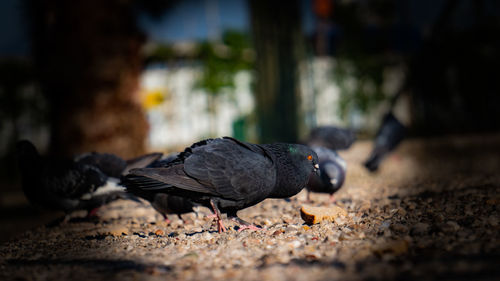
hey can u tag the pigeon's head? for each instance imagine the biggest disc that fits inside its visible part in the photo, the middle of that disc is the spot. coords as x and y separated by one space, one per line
332 174
295 164
304 158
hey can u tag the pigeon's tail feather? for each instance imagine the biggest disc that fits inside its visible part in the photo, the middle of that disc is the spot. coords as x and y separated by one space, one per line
142 186
134 182
141 161
172 177
147 188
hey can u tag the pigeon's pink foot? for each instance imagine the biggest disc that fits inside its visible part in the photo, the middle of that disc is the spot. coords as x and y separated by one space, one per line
166 219
251 227
212 216
244 224
332 199
220 226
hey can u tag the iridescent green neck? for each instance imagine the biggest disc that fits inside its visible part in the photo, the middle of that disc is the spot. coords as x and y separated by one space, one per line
290 178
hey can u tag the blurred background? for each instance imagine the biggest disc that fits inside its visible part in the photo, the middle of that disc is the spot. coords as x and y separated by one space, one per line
130 76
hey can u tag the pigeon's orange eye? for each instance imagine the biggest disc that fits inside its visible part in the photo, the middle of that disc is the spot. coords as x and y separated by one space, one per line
309 157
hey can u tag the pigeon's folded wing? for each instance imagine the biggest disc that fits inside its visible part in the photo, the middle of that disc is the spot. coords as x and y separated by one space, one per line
233 170
221 167
165 178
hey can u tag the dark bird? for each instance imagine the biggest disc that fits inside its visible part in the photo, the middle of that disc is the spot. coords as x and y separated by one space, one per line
114 166
83 183
388 137
332 172
325 140
331 137
228 175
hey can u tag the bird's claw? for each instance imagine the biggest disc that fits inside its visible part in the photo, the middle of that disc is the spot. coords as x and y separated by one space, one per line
251 227
211 216
220 226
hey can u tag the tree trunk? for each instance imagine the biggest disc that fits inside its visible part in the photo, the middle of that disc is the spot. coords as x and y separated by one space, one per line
278 42
88 61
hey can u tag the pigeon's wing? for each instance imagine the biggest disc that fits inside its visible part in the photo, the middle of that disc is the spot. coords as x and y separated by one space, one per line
332 137
110 164
221 168
234 170
141 161
166 179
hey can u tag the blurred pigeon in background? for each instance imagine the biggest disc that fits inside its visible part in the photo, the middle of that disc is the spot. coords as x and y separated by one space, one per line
84 183
388 137
332 173
331 137
228 175
325 140
114 166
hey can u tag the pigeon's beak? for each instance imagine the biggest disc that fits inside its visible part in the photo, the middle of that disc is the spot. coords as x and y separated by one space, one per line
316 168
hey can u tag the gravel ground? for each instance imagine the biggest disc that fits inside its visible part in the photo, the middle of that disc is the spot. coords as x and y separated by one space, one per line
430 213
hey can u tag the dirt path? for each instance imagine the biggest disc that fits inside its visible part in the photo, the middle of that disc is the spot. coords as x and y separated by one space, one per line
432 212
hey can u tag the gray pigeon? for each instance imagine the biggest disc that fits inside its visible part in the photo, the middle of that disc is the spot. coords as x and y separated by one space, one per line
388 137
332 172
325 140
83 183
228 175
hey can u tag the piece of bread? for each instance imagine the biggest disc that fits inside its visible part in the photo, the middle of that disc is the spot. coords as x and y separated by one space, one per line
312 215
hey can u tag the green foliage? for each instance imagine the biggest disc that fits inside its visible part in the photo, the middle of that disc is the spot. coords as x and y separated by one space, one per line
222 60
360 81
219 61
362 56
